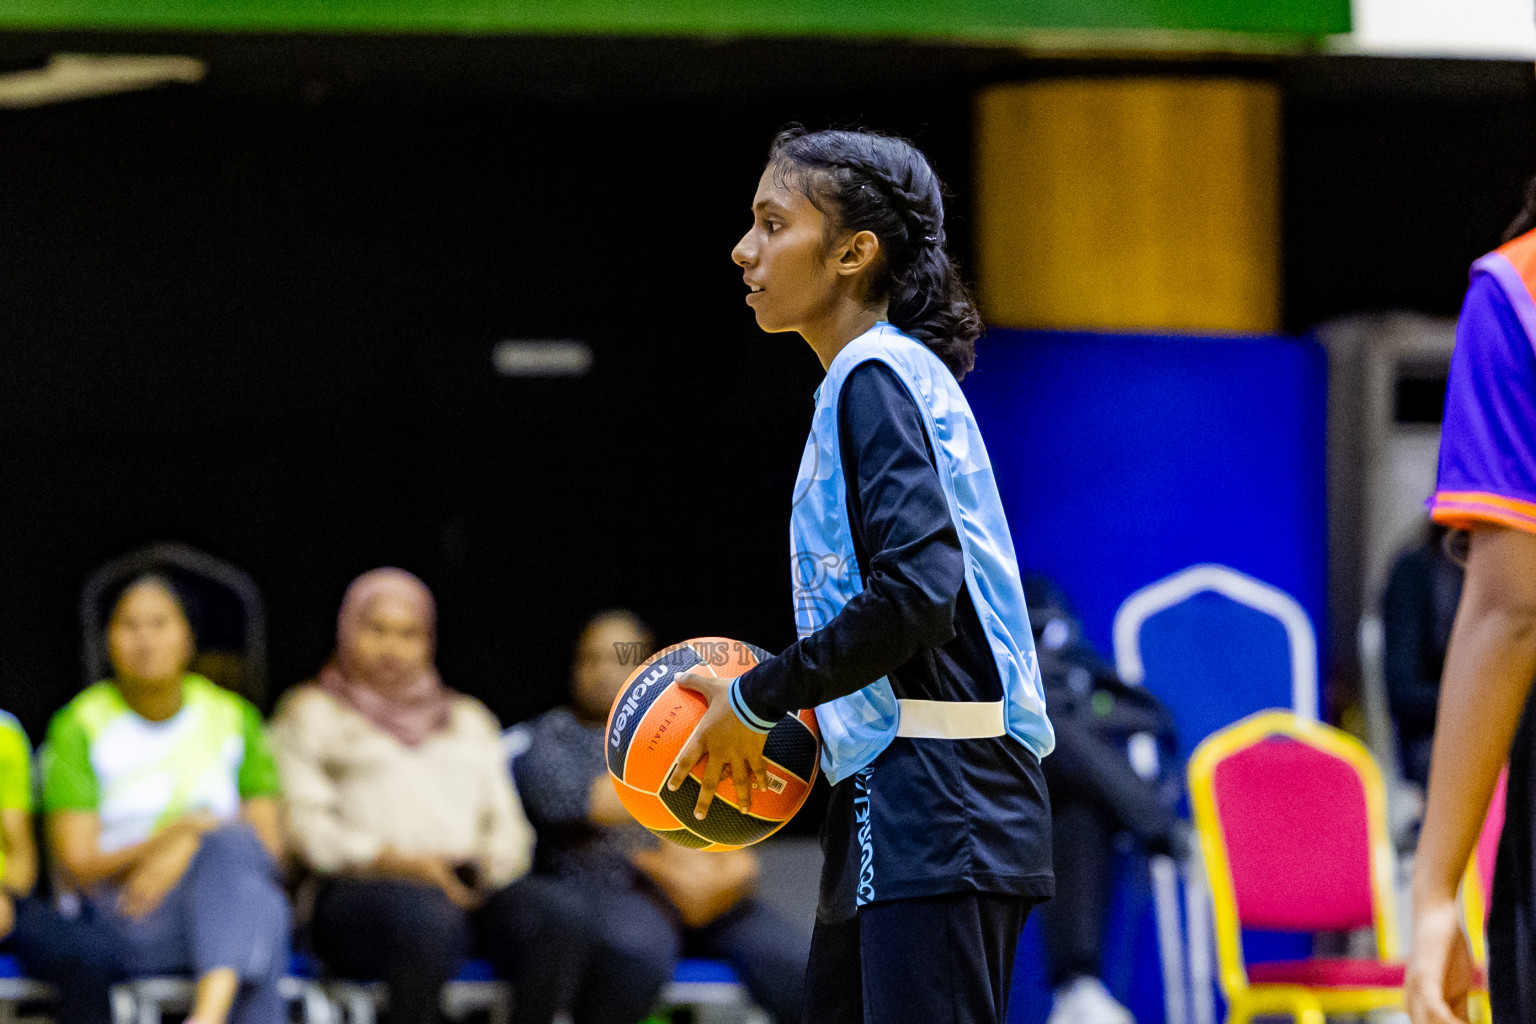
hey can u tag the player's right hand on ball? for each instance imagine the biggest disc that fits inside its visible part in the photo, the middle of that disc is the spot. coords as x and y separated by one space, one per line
724 740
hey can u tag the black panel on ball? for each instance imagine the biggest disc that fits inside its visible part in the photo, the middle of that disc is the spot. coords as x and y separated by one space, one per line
683 837
723 824
791 746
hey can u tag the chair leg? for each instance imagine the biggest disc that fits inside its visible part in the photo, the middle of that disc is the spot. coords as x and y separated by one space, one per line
1170 938
1201 947
1308 1011
124 1009
364 1010
316 1008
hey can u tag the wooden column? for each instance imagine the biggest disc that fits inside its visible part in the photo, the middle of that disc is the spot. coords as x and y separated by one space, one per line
1130 205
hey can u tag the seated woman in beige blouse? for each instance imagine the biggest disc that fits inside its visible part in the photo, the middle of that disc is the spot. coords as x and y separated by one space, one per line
397 798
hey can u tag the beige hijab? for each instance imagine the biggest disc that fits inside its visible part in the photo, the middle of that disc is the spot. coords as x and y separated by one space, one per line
407 701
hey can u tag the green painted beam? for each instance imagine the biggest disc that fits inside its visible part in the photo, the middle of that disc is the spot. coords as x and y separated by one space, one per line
979 20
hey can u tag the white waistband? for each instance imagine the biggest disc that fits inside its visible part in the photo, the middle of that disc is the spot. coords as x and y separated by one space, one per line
951 720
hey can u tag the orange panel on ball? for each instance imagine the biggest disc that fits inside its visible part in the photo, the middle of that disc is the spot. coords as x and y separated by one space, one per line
777 806
659 737
646 807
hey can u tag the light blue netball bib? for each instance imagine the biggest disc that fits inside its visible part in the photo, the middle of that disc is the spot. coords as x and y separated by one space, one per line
825 571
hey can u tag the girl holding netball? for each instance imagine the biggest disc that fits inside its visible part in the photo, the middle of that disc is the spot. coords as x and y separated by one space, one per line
915 648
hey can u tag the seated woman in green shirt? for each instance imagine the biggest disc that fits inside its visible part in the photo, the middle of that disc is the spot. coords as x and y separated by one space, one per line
161 800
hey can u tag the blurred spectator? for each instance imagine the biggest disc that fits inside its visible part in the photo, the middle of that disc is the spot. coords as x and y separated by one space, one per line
75 954
18 849
398 800
1417 611
161 800
651 900
1111 774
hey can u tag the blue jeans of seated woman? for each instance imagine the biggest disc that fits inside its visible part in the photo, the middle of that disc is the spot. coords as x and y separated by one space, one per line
227 911
78 955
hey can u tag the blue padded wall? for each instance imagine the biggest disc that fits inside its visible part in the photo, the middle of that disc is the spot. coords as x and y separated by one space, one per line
1124 459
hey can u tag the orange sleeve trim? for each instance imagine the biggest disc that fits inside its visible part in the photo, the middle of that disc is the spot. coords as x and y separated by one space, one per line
1480 498
1465 509
1520 251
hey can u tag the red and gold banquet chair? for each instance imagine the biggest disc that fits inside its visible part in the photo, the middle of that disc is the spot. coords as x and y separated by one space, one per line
1293 830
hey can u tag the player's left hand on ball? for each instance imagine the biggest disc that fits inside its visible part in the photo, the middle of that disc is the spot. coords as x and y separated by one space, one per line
720 737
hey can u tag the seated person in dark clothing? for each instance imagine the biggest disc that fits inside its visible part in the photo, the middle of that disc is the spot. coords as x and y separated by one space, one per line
1416 615
1112 773
652 901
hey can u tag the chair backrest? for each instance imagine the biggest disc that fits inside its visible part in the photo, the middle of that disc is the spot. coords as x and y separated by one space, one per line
230 617
1293 827
1185 637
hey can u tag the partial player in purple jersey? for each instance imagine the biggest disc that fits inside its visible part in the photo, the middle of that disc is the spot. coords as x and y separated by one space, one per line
1487 488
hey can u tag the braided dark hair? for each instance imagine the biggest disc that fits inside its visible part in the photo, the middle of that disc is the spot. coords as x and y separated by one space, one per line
864 181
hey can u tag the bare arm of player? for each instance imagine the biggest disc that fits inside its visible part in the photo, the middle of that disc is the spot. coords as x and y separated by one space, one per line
721 737
1488 671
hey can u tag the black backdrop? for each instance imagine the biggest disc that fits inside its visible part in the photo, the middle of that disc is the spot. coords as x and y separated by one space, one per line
263 325
257 315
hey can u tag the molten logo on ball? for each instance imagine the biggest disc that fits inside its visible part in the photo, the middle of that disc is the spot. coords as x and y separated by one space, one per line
632 703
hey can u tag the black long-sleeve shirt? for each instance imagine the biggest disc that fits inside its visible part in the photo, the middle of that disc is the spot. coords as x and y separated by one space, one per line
914 620
929 816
